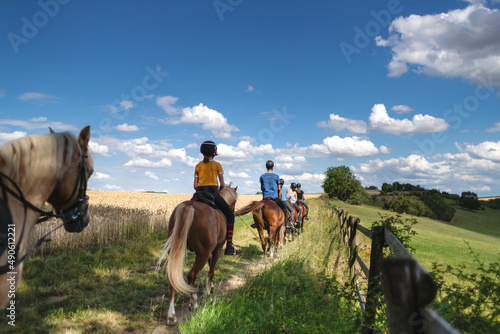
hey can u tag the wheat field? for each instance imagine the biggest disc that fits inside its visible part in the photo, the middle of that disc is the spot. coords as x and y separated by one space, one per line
120 216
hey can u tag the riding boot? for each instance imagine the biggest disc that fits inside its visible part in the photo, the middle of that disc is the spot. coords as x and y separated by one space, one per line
230 250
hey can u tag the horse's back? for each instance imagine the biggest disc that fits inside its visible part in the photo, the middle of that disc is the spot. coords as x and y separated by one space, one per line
208 228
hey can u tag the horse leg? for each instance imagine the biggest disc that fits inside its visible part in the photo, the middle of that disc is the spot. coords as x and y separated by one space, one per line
171 318
282 236
272 232
199 263
262 241
211 272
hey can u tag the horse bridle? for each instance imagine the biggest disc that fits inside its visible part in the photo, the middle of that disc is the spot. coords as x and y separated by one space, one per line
69 216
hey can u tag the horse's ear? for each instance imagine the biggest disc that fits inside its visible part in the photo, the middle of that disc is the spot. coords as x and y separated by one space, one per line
84 138
236 188
51 131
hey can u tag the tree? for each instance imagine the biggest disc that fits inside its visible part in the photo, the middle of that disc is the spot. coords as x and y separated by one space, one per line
469 200
341 182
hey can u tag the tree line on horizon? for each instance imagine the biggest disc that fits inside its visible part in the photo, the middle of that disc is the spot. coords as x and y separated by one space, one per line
341 183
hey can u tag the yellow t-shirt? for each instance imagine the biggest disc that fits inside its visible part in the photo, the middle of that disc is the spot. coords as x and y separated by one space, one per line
207 173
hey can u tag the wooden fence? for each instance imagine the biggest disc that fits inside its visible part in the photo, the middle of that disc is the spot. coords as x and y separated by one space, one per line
407 287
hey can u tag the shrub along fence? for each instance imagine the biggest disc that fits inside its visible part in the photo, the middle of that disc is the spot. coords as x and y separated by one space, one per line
407 287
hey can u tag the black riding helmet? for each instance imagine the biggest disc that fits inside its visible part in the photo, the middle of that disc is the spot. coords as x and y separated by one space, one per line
293 185
282 182
298 185
208 148
269 164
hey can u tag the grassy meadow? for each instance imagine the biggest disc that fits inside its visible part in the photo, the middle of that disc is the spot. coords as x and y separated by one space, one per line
443 242
106 282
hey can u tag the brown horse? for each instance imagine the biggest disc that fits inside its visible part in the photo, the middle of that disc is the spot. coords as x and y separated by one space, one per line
299 227
267 215
36 169
204 229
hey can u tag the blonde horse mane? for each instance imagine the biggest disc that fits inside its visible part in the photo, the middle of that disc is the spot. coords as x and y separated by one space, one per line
228 194
40 155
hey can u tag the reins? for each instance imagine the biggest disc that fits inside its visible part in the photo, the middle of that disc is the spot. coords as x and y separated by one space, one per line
251 229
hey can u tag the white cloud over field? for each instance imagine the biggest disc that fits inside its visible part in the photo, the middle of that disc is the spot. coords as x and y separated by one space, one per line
458 43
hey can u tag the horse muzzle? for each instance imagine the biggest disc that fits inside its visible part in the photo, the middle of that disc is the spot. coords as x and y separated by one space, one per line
77 217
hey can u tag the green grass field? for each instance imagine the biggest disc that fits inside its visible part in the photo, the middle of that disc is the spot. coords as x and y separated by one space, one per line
442 242
115 288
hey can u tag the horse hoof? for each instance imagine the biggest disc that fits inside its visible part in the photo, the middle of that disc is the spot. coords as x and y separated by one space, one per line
171 321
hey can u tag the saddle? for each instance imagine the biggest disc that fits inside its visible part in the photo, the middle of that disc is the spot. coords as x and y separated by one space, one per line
204 197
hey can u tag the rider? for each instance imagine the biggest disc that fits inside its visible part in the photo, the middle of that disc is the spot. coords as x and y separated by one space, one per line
292 196
283 195
206 174
301 198
269 182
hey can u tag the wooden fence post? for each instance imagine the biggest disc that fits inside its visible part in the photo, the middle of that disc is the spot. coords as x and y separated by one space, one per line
353 247
376 256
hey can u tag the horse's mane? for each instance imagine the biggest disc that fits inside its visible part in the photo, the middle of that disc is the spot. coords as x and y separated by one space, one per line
43 156
228 193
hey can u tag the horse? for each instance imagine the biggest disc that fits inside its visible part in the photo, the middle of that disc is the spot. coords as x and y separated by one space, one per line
36 169
203 228
299 226
267 215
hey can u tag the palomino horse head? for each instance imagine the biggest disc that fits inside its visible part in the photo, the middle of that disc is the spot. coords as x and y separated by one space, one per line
36 169
69 195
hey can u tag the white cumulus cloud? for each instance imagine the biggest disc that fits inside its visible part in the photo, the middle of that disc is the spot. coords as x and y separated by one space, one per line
380 121
142 162
459 43
209 119
151 175
127 128
402 109
486 150
167 104
100 176
339 123
6 137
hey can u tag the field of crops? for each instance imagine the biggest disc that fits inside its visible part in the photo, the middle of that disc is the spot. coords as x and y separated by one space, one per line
120 216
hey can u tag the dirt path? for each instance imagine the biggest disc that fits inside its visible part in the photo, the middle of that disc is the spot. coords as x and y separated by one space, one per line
235 282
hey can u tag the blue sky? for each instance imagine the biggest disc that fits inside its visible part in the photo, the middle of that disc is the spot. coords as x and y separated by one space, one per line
402 91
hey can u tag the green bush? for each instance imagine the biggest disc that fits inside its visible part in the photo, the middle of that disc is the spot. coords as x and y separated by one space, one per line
492 203
403 230
341 182
469 200
407 204
471 306
438 206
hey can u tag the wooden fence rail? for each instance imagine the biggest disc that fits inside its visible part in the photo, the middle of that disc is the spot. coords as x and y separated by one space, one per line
407 287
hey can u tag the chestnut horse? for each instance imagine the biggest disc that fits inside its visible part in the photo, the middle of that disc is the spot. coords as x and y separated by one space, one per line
51 168
204 229
299 227
267 215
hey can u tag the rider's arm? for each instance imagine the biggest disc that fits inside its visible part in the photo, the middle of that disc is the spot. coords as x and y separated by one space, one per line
221 180
195 182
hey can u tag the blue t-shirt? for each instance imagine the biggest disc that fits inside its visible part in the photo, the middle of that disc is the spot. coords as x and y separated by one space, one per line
269 185
284 191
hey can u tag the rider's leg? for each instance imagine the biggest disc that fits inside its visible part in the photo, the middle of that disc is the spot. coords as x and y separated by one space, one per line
307 208
228 213
298 211
283 207
287 204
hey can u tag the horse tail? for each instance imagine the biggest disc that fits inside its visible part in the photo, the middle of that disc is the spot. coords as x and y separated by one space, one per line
175 247
253 207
